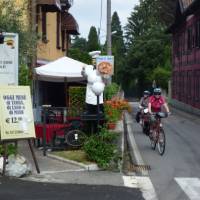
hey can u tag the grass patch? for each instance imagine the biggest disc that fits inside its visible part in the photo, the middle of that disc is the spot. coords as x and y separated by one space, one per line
75 155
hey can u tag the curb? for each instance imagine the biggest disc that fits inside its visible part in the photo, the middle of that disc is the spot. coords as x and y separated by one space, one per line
134 151
90 167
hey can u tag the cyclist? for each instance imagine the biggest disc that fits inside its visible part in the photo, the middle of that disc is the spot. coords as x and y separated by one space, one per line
143 104
157 101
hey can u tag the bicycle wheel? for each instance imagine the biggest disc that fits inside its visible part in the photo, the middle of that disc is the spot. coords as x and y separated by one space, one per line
153 140
75 138
146 128
161 142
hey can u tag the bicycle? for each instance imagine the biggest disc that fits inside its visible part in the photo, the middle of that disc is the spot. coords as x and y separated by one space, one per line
145 121
157 134
73 136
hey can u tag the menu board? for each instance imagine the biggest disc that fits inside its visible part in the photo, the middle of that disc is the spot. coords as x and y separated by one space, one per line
16 119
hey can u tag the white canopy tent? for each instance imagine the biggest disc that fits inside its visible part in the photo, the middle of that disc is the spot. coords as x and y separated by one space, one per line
61 70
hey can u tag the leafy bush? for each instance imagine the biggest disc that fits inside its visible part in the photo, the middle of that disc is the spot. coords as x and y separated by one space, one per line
111 90
11 149
101 148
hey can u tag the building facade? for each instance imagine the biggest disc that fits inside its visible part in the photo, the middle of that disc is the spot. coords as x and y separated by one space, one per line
186 53
54 25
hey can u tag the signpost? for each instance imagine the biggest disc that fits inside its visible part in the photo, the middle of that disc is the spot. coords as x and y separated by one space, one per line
9 59
105 65
16 119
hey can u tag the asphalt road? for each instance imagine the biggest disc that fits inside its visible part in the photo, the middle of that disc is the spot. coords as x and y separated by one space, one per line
176 174
15 189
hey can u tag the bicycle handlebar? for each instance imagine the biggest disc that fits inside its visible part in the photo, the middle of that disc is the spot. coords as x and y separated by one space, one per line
161 114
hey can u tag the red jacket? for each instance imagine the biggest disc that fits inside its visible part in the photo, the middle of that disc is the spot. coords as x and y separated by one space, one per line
156 103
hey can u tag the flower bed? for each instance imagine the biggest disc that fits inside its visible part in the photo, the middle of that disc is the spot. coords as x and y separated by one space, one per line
114 108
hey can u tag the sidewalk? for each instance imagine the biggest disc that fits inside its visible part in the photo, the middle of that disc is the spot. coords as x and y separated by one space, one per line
54 170
57 169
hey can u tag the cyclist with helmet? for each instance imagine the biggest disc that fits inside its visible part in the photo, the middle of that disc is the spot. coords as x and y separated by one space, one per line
157 101
143 104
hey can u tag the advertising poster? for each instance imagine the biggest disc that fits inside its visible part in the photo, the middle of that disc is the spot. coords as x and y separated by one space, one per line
105 64
9 60
16 119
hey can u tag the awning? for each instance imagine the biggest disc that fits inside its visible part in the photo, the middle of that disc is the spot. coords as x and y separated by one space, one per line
49 5
69 24
61 69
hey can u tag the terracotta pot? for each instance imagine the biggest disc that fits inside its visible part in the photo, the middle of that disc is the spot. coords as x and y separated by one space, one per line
111 125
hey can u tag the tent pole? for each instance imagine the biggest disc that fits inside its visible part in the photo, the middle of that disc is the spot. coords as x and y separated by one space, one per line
66 92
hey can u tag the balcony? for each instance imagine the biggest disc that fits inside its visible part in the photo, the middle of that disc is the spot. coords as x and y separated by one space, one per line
49 5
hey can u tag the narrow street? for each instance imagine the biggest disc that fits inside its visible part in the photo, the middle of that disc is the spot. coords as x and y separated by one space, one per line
11 189
176 174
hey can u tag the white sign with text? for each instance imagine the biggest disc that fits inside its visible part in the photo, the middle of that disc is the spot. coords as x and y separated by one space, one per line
9 60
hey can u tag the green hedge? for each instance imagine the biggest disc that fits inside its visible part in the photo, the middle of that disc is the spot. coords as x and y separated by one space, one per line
111 90
76 100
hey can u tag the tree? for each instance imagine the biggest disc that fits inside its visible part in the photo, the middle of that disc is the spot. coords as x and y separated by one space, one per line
24 75
118 46
80 55
148 47
12 20
93 43
167 11
80 43
79 51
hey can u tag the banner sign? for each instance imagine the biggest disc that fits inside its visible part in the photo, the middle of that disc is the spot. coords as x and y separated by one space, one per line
9 60
105 64
16 119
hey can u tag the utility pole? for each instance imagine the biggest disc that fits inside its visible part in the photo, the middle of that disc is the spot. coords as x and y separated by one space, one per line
109 44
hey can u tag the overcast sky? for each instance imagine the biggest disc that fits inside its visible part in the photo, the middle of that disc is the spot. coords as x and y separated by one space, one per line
87 13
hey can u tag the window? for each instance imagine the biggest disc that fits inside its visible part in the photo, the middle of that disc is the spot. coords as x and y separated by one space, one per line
189 38
197 34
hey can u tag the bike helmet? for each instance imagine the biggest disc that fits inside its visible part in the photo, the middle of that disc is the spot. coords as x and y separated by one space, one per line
146 92
157 91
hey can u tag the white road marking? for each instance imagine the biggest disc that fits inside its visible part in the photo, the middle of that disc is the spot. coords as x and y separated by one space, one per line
130 181
191 186
143 183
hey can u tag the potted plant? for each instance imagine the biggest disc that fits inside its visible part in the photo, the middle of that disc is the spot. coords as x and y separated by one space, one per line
112 115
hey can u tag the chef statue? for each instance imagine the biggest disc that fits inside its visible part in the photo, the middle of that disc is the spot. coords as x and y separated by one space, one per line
95 86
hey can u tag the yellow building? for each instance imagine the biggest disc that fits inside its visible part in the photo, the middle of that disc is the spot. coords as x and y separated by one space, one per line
54 25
